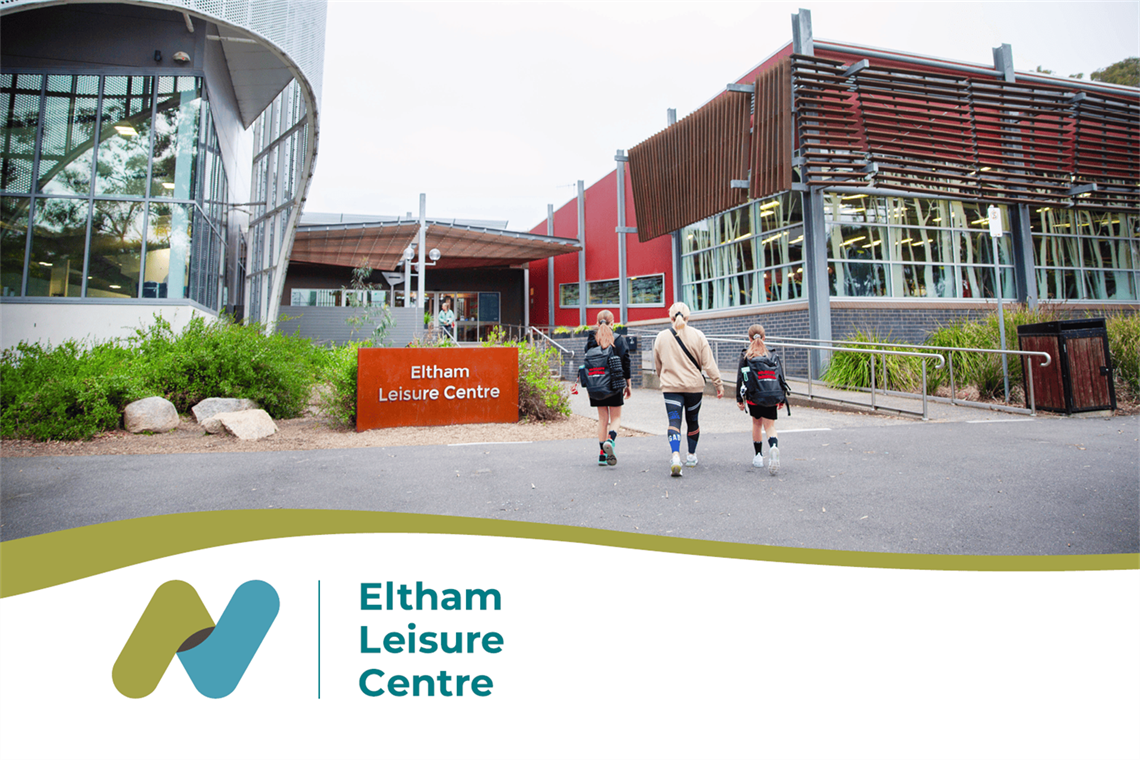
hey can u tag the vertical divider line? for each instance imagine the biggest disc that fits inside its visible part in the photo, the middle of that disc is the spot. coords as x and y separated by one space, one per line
318 639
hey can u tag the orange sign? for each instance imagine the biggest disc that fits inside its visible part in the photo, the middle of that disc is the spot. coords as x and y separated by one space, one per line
400 387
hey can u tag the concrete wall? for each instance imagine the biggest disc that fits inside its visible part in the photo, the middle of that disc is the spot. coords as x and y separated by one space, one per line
35 321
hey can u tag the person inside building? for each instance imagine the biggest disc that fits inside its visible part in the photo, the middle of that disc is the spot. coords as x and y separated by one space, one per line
446 318
609 408
763 416
680 353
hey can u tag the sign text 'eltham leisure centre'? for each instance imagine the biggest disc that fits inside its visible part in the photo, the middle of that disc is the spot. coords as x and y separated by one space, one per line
399 387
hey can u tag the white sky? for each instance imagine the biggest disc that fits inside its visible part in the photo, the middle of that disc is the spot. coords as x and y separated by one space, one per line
495 110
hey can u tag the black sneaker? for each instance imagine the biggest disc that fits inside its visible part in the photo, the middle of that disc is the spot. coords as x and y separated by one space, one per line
603 460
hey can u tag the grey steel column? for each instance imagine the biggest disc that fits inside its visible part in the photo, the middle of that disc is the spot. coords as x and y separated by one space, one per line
623 297
816 282
582 253
526 295
550 266
1024 277
422 252
675 237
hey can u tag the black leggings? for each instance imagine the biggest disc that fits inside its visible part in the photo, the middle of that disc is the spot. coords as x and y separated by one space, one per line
690 405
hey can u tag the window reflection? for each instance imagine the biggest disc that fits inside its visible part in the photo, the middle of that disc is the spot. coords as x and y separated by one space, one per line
116 249
13 241
124 139
68 139
20 117
59 230
176 137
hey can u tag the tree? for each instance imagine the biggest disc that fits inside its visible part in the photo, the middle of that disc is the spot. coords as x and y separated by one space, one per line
1126 72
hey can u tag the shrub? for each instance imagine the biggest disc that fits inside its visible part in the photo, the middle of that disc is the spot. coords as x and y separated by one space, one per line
223 358
1124 346
69 392
541 395
337 393
892 371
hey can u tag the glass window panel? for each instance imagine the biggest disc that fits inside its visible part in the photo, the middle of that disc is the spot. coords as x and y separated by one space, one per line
783 284
602 293
925 281
20 112
696 237
116 249
59 232
168 257
854 209
176 137
124 139
733 225
647 291
13 241
858 280
1050 220
1057 284
567 295
68 134
1107 285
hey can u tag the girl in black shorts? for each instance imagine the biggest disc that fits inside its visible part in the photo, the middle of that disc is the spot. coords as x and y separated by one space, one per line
609 408
763 417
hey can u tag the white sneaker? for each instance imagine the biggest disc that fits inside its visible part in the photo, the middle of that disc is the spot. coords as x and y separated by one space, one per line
675 466
758 460
773 460
691 460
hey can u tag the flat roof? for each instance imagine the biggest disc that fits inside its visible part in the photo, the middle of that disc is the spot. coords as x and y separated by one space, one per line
381 245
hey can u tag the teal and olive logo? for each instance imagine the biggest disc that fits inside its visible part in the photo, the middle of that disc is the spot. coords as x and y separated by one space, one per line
176 622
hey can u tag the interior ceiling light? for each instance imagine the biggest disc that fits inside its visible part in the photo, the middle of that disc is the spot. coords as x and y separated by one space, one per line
45 263
772 204
126 131
168 185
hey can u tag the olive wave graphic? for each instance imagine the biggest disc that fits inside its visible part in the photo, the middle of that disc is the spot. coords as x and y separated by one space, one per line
214 656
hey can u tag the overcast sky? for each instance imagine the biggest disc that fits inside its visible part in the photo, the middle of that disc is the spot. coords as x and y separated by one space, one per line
495 110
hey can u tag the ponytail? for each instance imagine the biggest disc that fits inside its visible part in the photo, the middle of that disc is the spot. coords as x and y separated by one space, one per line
756 346
605 334
679 313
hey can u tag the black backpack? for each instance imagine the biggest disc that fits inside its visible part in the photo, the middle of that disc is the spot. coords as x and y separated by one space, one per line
601 374
764 383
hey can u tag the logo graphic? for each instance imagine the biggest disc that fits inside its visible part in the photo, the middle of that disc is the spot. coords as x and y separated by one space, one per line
176 622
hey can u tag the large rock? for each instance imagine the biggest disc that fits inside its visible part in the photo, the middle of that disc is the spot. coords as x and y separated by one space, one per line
150 415
250 425
207 408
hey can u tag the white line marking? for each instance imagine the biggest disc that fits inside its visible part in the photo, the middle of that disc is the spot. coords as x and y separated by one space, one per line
987 422
489 443
804 430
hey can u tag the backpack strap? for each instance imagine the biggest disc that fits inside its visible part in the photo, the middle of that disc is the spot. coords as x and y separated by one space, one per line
681 343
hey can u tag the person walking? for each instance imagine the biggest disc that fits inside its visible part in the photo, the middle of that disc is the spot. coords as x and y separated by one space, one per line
609 408
679 354
763 417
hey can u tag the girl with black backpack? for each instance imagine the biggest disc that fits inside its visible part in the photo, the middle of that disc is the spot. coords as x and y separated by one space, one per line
609 407
763 416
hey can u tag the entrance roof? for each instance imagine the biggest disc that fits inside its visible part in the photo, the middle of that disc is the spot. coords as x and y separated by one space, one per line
381 245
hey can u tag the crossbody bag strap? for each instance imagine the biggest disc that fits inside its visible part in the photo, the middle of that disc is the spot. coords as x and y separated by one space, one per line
681 343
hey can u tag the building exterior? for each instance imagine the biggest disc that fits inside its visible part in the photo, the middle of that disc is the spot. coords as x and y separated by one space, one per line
154 157
836 188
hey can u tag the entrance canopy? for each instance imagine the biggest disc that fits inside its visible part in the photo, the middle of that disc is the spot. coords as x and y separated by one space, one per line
381 245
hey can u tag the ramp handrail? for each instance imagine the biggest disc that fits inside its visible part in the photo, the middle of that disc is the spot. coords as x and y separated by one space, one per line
533 331
951 350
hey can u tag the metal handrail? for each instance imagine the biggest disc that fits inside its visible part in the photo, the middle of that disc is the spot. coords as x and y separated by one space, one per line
951 350
532 331
873 405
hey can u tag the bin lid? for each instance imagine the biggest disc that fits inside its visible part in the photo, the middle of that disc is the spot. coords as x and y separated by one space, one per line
1058 327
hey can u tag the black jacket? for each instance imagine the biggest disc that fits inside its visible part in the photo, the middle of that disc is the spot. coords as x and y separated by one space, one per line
621 348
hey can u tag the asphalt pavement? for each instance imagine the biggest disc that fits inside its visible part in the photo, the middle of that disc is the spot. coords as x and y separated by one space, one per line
966 481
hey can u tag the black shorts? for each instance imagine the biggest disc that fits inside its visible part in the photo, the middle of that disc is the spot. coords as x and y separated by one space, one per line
761 412
618 399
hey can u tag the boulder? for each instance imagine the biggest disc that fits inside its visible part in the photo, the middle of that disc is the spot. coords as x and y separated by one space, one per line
250 425
150 415
207 408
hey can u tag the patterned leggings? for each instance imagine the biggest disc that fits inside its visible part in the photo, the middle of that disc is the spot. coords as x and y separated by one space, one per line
690 405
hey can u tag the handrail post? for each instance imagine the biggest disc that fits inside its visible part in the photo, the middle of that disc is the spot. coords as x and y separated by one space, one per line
873 407
953 391
924 415
1032 398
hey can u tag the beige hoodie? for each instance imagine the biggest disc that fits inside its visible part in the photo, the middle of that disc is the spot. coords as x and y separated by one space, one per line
676 371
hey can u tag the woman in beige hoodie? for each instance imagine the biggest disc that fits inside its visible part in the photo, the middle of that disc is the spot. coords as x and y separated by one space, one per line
679 354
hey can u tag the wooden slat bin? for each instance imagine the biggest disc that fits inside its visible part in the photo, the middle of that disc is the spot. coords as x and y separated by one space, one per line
1079 379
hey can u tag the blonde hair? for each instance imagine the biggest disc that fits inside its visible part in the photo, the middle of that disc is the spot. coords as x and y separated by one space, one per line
605 332
679 313
756 345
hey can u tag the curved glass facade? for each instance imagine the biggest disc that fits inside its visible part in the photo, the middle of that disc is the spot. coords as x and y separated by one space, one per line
110 187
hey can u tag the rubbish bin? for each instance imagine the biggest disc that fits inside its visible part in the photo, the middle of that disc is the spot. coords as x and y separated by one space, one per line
1079 379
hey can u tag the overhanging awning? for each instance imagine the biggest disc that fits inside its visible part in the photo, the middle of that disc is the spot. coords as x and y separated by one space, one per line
381 245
